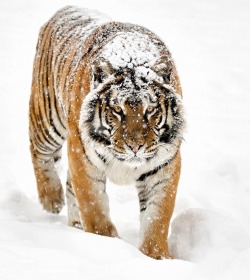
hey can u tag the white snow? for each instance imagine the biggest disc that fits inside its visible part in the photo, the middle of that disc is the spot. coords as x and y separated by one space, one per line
210 43
130 50
134 51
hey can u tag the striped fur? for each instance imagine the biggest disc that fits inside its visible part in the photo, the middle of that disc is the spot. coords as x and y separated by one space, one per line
112 91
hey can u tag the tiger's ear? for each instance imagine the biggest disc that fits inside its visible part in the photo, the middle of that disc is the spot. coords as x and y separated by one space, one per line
163 68
101 70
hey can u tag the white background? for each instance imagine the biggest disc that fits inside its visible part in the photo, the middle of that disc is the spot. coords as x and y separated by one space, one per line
210 238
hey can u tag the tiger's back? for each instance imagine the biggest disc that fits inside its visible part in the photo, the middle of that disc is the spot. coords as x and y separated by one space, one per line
112 91
59 50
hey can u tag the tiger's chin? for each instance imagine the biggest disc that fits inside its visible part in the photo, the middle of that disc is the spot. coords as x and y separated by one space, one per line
135 162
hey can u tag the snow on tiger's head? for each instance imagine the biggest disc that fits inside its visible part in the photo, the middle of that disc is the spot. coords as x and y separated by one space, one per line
132 109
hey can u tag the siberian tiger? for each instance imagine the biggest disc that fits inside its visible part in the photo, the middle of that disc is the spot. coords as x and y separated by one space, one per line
112 91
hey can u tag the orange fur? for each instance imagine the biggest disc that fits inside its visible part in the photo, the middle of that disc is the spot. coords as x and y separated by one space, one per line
91 210
62 79
155 239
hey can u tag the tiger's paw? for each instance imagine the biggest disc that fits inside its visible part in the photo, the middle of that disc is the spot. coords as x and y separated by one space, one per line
75 224
155 251
53 200
108 230
105 229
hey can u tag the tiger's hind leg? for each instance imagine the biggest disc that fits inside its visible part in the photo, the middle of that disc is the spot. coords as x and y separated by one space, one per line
48 182
73 209
45 151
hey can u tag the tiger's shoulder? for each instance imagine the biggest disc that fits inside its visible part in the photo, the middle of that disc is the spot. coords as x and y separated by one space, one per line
78 35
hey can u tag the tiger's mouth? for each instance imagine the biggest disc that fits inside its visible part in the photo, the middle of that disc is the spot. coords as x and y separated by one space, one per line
133 158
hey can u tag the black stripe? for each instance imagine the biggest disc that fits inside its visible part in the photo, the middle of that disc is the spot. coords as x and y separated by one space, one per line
146 206
143 200
159 182
99 137
37 142
152 172
144 195
102 158
45 132
53 104
46 85
96 180
43 150
91 111
170 133
119 158
88 159
68 70
59 111
51 121
93 104
70 189
143 203
48 28
100 111
57 158
37 127
38 145
145 192
85 154
155 170
42 66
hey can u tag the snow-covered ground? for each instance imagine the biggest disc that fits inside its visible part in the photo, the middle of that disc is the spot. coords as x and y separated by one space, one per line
210 235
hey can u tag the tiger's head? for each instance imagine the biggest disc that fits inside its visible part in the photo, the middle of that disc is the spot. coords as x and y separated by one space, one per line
132 114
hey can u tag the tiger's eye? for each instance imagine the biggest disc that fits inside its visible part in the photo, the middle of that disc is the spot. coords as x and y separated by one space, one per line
118 109
150 109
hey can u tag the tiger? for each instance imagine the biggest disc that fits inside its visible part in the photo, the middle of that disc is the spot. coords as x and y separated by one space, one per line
112 92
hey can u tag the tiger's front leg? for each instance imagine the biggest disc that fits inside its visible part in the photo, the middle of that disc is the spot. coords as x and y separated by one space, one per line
89 187
157 198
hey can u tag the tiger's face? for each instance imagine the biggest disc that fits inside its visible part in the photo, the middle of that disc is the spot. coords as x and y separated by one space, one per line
131 117
133 123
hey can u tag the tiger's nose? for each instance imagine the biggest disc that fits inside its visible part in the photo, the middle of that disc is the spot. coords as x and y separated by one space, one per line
135 146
